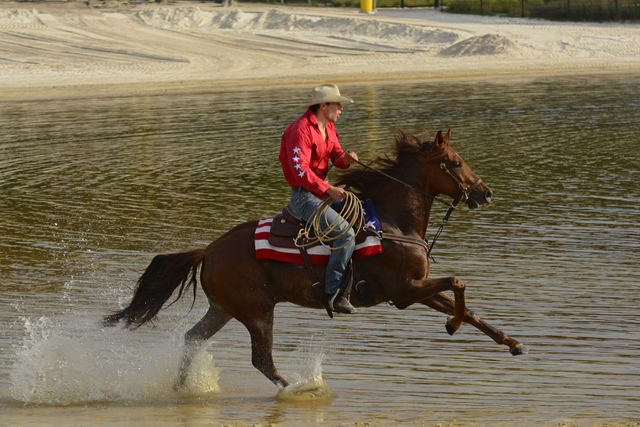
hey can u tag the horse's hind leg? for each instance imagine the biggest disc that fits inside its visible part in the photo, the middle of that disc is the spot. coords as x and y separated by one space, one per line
211 323
260 327
444 304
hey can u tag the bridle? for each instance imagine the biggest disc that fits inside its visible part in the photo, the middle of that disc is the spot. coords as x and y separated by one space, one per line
465 190
463 197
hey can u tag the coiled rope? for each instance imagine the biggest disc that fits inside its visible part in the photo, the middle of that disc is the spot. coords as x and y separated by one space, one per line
350 214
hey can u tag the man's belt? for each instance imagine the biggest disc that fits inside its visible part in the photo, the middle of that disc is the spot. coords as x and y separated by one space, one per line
299 189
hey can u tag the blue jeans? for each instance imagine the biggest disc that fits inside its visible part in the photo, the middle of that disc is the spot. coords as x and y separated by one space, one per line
303 204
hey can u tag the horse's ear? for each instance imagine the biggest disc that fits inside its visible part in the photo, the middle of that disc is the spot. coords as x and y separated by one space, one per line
439 140
447 136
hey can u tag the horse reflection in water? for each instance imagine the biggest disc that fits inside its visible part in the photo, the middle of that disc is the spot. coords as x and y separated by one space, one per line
240 287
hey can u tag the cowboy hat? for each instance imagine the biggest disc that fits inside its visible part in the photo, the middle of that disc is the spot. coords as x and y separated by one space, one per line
327 93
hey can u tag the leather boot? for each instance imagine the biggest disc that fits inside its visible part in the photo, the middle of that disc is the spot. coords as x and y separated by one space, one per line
339 302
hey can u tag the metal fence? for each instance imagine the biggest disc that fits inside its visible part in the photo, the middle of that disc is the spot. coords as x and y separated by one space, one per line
563 10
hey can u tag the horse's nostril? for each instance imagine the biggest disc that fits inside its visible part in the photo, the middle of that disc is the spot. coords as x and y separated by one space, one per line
488 195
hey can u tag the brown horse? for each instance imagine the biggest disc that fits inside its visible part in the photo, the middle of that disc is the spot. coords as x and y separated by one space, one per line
239 286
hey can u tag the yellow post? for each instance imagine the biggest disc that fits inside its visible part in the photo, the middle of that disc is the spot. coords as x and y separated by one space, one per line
366 6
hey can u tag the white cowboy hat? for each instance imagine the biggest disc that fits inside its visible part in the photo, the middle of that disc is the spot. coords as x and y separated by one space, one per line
327 93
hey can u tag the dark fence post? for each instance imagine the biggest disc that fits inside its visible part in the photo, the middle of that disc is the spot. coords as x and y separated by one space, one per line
523 8
480 7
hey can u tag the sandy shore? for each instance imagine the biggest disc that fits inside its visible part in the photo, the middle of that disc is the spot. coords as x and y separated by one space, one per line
71 49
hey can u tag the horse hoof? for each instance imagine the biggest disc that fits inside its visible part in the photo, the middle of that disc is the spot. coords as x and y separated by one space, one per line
450 329
519 350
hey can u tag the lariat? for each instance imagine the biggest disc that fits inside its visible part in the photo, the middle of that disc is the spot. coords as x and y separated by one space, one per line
351 209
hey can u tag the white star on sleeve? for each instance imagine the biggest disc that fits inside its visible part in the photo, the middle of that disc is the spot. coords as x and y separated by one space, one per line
297 166
301 174
296 159
296 150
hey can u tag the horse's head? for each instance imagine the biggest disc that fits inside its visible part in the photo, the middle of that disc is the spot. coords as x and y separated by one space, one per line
455 178
418 163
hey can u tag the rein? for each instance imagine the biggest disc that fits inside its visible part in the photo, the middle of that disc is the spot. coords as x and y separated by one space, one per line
464 196
424 193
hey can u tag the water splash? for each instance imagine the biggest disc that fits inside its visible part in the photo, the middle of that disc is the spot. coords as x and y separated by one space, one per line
310 389
307 383
54 367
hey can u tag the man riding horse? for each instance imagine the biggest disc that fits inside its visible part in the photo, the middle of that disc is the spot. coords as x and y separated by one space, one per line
307 146
243 286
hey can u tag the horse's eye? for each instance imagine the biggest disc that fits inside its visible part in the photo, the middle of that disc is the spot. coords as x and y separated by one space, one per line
458 165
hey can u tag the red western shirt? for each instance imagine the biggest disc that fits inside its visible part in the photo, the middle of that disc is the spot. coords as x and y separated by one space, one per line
305 155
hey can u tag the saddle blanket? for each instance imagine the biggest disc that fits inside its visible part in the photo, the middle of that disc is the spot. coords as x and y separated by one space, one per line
319 255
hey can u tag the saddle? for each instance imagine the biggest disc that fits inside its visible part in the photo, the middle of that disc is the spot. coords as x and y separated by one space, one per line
285 228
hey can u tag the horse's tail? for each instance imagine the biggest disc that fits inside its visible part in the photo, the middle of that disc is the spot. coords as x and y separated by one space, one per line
163 276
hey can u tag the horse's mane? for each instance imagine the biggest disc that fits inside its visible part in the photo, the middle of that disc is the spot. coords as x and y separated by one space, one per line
364 181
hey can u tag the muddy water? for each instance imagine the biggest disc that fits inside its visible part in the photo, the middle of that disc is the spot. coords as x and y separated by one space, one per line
92 189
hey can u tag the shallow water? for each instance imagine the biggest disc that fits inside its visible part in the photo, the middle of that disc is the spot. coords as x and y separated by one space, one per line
92 189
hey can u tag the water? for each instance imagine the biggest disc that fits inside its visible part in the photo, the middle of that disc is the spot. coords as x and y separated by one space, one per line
92 189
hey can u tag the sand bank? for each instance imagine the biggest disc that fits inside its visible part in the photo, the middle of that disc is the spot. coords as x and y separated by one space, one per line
71 49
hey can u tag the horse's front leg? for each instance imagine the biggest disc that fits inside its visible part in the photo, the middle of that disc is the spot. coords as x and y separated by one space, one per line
445 304
421 290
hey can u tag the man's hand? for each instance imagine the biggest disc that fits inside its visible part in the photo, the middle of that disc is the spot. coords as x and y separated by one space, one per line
350 157
336 193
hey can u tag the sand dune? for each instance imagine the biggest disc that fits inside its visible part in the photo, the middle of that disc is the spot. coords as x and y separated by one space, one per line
73 49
